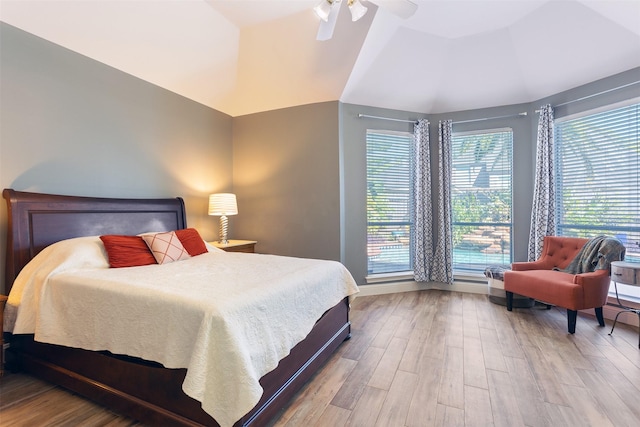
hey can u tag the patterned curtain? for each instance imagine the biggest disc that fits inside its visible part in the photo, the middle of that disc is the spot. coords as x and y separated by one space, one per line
423 218
543 219
443 256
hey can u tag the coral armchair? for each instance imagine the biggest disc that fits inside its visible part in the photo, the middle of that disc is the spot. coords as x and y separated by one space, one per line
542 281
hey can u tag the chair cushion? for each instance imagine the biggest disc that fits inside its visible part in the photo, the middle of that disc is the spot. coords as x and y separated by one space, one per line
553 287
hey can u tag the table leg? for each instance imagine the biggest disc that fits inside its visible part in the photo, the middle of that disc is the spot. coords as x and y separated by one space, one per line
624 310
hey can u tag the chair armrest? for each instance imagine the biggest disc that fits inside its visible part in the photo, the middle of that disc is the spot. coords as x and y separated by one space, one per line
595 287
533 265
594 278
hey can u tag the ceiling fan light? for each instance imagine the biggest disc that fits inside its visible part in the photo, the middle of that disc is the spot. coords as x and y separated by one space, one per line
357 10
323 9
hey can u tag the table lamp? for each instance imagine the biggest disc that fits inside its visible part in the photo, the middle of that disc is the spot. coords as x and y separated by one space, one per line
223 204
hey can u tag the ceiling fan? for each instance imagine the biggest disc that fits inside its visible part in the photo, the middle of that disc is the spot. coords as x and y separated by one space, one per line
328 11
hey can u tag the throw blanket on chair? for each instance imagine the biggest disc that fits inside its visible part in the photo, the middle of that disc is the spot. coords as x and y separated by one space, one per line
597 254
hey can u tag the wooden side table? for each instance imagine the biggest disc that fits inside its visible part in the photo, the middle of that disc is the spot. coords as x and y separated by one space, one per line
626 273
248 246
3 300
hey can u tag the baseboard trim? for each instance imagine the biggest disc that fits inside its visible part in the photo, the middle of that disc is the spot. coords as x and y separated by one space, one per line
412 285
609 311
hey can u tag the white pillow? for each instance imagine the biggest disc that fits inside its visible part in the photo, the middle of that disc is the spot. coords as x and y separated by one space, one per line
166 247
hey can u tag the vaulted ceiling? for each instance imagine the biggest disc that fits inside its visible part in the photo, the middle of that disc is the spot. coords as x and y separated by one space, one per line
246 56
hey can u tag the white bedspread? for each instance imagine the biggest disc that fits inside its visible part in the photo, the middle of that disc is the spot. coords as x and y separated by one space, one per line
227 317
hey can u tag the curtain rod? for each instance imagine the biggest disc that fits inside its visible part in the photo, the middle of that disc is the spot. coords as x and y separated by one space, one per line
595 94
524 113
455 122
387 118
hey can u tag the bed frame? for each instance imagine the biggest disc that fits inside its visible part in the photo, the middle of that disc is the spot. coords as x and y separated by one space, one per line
143 390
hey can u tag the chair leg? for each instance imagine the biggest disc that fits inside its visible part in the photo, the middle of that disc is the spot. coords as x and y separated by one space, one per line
572 315
509 300
599 316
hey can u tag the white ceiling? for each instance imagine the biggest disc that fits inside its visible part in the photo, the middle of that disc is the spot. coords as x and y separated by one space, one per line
246 56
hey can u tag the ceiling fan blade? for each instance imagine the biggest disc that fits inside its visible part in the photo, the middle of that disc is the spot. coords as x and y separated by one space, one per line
325 31
403 8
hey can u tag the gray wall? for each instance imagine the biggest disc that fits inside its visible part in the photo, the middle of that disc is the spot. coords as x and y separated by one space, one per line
353 155
71 125
617 88
353 131
353 134
286 179
523 154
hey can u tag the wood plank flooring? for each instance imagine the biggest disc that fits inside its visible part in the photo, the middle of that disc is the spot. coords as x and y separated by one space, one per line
429 358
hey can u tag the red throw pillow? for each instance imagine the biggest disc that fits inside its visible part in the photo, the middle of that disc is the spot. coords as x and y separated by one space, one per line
192 241
127 251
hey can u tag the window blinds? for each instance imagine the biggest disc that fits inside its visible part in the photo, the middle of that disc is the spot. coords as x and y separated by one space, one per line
481 198
389 201
598 176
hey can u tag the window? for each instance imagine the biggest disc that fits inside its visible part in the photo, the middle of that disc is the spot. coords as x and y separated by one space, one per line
389 201
481 199
598 177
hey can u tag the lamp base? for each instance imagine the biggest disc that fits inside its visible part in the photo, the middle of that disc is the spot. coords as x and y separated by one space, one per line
224 228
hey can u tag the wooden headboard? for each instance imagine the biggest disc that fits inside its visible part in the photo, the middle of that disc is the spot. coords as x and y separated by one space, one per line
37 220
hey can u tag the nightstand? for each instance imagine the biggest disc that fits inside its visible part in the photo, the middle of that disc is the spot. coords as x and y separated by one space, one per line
627 273
248 246
3 300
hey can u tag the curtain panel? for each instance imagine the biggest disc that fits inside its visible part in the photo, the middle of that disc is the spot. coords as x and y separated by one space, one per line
443 254
423 216
543 220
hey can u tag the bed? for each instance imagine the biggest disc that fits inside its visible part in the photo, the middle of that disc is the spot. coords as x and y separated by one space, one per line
139 387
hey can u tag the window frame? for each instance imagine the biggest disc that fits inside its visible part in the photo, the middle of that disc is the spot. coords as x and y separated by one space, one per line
478 267
627 293
410 150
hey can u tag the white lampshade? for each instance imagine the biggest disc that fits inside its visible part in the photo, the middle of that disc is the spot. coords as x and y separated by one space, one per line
223 204
323 9
357 10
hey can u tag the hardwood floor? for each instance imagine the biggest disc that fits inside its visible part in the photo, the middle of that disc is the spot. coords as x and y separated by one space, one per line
429 358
